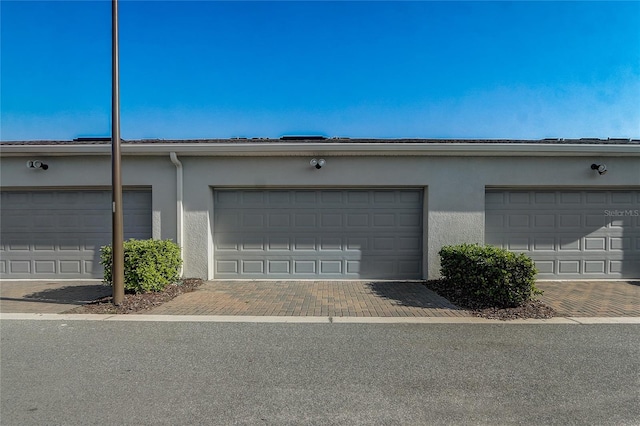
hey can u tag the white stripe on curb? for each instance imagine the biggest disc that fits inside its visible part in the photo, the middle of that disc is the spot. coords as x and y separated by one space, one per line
315 320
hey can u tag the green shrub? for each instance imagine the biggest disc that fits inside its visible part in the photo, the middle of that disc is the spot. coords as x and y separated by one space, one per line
489 276
149 265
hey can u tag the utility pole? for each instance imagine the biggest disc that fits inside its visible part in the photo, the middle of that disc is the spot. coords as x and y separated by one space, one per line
117 271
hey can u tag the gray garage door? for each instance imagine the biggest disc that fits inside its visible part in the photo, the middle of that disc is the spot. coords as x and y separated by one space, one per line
569 234
318 234
58 234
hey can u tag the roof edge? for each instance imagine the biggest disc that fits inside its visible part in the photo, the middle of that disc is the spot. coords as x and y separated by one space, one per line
343 148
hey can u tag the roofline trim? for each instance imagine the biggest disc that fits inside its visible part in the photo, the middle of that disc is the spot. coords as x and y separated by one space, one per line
347 149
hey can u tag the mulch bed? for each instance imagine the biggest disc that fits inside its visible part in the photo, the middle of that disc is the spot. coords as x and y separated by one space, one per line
533 309
134 303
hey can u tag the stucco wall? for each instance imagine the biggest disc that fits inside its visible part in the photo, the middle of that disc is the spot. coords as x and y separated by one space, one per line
454 186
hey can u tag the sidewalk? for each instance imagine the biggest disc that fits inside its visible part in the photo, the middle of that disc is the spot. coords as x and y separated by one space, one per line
322 299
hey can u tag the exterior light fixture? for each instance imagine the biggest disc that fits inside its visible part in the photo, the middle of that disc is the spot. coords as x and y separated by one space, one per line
37 164
601 168
317 163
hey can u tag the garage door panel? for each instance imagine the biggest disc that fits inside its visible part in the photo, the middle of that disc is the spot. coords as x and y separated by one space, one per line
569 221
279 220
278 244
520 198
247 241
601 198
15 220
94 221
137 199
44 267
569 267
58 233
569 234
571 198
226 267
138 218
541 198
304 221
252 267
621 222
330 220
409 197
543 243
329 243
16 242
494 199
595 244
544 220
595 267
317 233
252 243
252 220
624 198
518 243
72 266
279 267
93 242
596 221
47 246
546 266
17 266
67 220
410 266
409 243
312 267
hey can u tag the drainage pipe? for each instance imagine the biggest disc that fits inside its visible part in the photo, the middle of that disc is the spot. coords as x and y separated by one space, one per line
180 210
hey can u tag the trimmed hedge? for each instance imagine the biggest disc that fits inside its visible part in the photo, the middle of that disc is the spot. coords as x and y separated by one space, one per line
149 265
489 276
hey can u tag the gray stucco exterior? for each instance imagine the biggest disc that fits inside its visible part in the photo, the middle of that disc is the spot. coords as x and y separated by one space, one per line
454 176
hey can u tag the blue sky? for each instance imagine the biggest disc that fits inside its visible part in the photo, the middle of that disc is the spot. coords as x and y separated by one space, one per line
209 69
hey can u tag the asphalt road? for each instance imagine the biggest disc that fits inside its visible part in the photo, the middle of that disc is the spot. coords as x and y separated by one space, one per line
155 373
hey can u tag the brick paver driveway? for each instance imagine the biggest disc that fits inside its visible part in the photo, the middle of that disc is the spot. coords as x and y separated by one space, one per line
312 298
386 299
323 298
592 298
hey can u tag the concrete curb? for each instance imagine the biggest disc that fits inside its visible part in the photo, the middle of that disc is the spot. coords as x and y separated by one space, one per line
315 320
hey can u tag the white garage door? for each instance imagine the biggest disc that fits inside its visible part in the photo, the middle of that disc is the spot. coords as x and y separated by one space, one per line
569 234
58 234
326 233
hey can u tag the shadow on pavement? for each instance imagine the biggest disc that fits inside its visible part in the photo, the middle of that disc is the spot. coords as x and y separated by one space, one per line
413 294
72 295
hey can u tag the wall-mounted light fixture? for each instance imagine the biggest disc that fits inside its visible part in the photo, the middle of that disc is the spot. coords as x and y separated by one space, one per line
36 164
317 163
601 168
